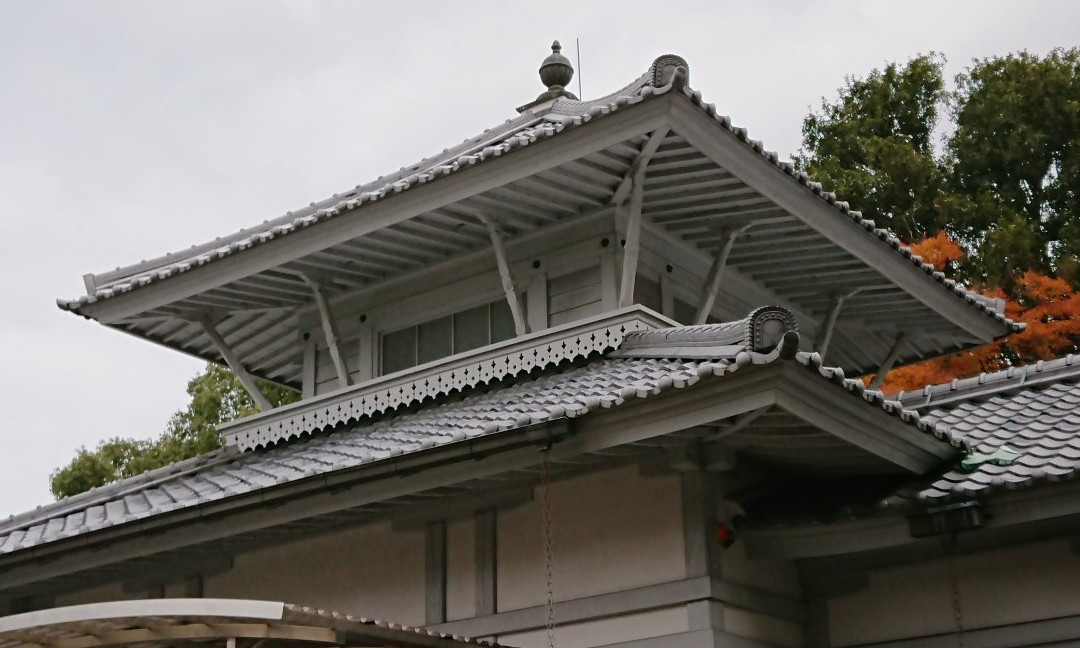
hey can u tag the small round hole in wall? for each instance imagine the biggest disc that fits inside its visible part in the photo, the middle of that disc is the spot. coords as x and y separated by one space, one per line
670 268
604 242
305 336
536 264
363 318
622 242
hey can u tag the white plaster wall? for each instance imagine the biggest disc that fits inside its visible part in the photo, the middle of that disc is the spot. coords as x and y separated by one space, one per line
1026 583
369 571
461 569
656 623
612 530
777 577
101 594
762 627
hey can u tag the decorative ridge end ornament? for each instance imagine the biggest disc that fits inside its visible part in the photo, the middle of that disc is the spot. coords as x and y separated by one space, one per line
762 331
669 68
555 73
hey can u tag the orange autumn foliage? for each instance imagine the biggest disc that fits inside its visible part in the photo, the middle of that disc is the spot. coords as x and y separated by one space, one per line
1050 307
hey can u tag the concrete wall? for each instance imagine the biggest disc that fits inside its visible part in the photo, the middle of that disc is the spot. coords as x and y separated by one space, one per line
371 571
612 530
632 627
997 588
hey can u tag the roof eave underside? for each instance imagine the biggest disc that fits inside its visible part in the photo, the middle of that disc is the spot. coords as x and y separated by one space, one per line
541 181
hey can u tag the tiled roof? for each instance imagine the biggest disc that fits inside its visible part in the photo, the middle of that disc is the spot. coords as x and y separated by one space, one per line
1032 410
605 382
562 116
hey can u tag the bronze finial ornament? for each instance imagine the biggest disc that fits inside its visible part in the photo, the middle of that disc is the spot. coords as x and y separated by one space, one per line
555 73
556 70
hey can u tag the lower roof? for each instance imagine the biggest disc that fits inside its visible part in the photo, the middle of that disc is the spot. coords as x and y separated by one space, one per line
875 436
1028 417
171 623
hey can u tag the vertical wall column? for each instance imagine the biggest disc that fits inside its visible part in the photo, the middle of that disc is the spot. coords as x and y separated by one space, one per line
700 508
435 573
487 594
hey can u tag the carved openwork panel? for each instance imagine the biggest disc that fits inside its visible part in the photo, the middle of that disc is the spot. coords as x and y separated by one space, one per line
445 377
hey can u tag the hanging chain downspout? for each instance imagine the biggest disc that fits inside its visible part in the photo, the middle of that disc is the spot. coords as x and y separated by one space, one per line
954 584
549 552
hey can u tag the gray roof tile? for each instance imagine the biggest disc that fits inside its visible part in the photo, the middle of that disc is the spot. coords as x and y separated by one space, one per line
558 392
1034 410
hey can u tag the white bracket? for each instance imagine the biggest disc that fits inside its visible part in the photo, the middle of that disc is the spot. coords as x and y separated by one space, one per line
329 331
829 326
888 362
231 359
521 326
715 278
634 183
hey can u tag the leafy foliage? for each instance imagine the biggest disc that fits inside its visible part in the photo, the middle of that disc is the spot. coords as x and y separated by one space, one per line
1015 158
216 395
999 205
875 144
1006 184
1049 306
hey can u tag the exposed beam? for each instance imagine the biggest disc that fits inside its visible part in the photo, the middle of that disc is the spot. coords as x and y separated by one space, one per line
329 331
233 361
521 326
716 276
888 362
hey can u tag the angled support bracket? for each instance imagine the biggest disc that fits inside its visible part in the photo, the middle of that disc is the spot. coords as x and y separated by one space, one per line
634 184
826 332
715 278
329 331
233 361
888 362
521 326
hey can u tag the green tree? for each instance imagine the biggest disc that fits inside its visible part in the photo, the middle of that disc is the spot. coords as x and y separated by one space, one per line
1006 183
874 145
1015 158
216 395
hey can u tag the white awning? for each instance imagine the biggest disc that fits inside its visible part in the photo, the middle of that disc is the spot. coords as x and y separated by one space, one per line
226 622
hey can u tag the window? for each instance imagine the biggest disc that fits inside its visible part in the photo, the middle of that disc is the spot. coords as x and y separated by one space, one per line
445 336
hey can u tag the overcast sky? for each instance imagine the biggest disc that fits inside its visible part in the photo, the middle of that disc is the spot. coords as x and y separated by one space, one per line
130 129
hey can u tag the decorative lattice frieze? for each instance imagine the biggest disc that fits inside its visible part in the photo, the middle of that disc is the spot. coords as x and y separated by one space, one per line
521 355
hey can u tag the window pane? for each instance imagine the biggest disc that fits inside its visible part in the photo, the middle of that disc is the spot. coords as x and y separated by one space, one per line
502 322
471 329
399 350
435 340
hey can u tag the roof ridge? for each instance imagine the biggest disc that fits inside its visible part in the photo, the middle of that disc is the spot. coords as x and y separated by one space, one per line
983 384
